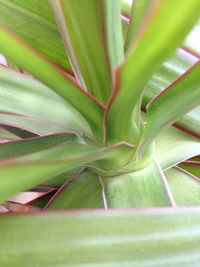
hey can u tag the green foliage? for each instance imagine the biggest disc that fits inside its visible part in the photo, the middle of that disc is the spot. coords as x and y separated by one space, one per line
114 128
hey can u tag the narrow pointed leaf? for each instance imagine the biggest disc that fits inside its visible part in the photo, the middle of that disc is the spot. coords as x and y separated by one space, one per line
84 191
34 22
32 125
191 167
23 147
190 122
167 73
26 171
30 97
161 35
145 187
174 146
94 61
176 100
28 59
184 186
115 238
138 12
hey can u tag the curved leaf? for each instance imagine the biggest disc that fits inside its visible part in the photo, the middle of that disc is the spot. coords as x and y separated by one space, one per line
20 94
26 171
174 146
95 60
162 34
180 97
29 60
34 22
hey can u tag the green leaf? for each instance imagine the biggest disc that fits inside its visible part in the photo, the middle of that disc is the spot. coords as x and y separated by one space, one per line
184 186
169 71
180 97
145 187
33 125
192 40
191 167
17 50
7 136
22 95
115 238
138 12
34 22
32 169
82 191
96 26
174 146
162 34
31 145
191 122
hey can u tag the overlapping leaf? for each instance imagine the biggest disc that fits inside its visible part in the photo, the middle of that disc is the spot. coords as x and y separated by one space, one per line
93 61
176 100
145 187
28 59
35 23
156 42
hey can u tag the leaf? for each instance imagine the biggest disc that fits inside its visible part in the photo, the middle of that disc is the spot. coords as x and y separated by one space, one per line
191 167
162 34
169 71
29 60
174 146
34 22
180 97
190 122
102 238
26 171
192 40
6 135
22 95
138 12
145 187
33 125
24 147
95 60
82 191
184 186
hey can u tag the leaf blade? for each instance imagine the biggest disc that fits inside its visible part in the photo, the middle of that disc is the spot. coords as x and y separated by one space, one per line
94 61
168 106
150 51
100 237
29 60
